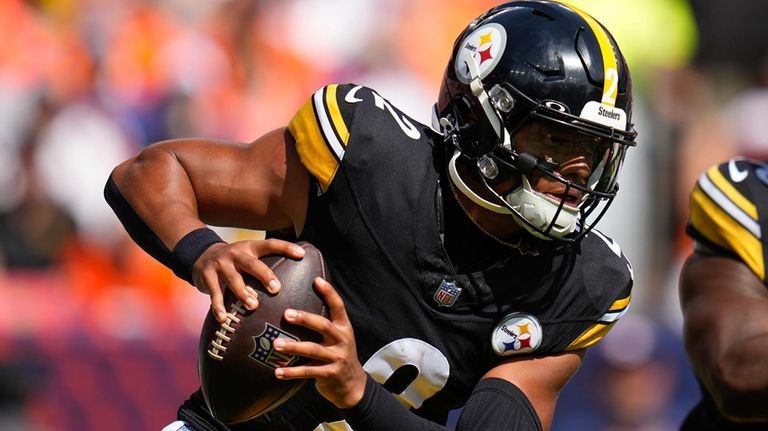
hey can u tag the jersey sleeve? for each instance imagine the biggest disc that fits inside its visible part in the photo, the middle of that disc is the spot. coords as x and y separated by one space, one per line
727 211
607 284
321 129
617 308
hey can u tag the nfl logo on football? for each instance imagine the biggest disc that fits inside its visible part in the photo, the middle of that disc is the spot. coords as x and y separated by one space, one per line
263 351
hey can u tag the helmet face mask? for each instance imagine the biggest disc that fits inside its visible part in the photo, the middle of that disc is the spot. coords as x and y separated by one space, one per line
530 86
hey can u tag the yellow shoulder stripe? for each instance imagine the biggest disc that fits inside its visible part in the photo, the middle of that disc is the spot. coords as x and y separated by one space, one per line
321 135
592 335
620 304
730 191
711 220
597 331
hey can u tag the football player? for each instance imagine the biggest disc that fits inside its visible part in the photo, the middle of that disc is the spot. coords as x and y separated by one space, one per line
465 265
724 297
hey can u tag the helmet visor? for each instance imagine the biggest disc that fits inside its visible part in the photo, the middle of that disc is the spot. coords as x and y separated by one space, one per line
584 161
558 145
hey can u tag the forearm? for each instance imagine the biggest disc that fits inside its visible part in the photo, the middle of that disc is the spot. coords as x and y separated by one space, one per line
738 380
725 310
185 252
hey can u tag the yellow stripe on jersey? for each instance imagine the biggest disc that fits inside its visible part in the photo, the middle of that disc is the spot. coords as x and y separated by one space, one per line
620 304
597 331
610 69
731 193
321 135
592 335
721 228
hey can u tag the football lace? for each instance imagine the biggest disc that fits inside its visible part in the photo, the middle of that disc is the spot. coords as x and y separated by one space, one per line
218 348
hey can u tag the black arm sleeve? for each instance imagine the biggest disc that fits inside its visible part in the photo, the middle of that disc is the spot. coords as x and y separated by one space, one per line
380 411
497 404
135 226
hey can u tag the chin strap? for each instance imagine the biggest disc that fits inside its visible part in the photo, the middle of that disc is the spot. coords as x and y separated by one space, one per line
532 210
468 192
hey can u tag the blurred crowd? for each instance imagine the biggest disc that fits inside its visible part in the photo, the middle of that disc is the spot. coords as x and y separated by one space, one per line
96 335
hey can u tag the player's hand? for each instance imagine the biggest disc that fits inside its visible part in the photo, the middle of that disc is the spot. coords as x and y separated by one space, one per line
221 265
338 375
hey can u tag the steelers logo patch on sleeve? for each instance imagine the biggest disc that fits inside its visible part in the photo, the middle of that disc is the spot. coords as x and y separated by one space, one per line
516 333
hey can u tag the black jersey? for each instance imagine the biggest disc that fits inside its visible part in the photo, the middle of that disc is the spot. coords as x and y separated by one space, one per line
426 327
728 214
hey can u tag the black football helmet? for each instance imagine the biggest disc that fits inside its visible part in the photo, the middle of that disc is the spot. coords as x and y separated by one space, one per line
552 71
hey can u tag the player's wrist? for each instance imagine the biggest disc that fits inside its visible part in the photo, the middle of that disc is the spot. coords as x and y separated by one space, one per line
366 400
355 394
189 248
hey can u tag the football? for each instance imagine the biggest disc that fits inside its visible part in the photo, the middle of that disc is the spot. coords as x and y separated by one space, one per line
237 362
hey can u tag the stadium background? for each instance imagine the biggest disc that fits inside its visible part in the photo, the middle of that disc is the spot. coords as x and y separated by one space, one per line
95 335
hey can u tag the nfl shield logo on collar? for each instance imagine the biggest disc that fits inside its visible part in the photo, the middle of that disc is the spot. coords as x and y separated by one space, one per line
447 294
263 351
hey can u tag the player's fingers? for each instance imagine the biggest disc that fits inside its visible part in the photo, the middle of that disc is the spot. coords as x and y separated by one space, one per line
299 372
211 280
235 282
336 308
274 246
315 322
306 349
260 270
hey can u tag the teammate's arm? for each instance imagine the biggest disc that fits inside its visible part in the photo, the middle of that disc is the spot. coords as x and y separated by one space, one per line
725 309
176 187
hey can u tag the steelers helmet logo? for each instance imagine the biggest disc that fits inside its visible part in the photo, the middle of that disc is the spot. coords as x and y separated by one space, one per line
516 333
484 46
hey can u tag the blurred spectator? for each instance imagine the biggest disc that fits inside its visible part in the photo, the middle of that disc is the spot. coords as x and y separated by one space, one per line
745 118
730 59
636 380
733 40
34 229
